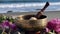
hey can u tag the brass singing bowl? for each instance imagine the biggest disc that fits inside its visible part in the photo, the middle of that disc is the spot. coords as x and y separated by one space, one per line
24 22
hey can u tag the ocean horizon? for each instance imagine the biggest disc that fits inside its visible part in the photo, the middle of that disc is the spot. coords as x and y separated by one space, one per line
28 6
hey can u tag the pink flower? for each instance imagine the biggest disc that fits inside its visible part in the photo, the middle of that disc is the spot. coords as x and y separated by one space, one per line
13 26
47 30
5 24
54 24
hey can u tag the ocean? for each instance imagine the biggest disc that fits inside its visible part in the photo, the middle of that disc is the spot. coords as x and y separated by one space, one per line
28 5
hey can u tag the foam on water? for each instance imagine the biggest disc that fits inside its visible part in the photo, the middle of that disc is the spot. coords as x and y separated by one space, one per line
26 4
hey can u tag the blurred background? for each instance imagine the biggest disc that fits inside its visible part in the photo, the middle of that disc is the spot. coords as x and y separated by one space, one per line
28 5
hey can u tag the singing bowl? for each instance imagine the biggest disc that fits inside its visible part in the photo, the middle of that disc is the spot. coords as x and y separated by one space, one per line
24 22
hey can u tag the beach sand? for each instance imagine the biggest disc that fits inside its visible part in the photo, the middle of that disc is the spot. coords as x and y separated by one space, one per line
49 14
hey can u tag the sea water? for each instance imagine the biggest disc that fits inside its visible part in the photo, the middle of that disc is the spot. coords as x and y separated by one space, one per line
28 5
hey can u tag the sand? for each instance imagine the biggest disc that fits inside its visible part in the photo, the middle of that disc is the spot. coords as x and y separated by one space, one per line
49 14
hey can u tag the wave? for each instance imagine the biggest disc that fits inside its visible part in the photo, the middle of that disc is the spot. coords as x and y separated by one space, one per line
28 7
26 4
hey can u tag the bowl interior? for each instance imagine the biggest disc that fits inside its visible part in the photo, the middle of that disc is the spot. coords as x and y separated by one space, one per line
27 17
